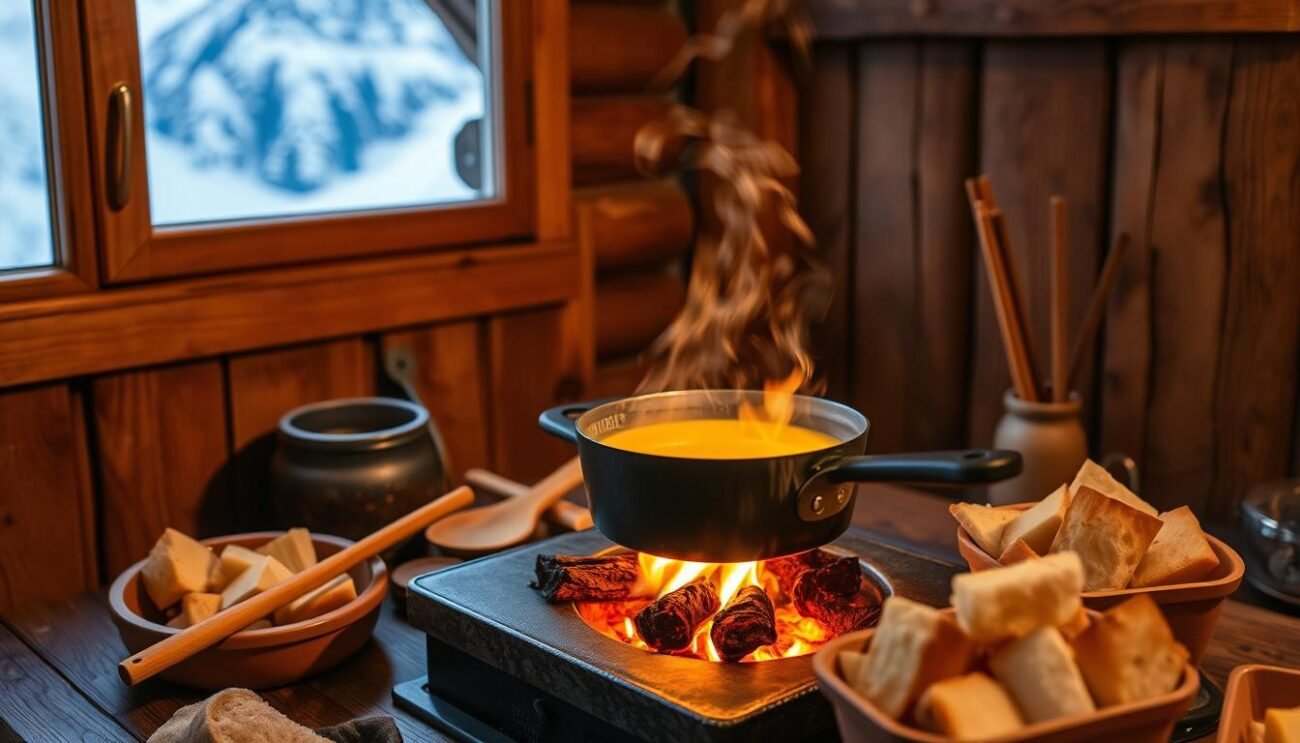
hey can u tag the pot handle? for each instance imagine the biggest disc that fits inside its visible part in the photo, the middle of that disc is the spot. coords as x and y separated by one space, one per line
958 467
561 421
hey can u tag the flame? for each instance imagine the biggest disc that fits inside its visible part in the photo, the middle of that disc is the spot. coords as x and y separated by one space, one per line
778 405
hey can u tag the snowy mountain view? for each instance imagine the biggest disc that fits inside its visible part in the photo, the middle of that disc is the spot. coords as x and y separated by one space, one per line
266 108
25 238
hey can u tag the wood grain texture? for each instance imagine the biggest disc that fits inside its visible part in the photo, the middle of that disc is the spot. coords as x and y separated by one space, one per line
636 225
828 137
604 132
47 528
1256 386
162 446
451 379
528 376
1044 129
633 309
617 378
884 276
263 387
840 19
550 68
620 49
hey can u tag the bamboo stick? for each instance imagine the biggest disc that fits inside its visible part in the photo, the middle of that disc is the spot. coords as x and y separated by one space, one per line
1096 307
1012 344
185 644
1060 278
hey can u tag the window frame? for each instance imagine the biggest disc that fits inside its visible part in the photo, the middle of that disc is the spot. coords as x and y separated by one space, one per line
134 250
58 46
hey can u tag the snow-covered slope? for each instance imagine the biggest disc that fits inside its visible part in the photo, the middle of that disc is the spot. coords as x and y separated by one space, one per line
272 107
24 200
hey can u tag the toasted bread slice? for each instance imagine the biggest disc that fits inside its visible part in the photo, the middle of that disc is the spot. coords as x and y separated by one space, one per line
1039 524
232 716
1179 554
913 647
1018 552
1039 671
984 524
1095 476
1110 537
970 707
1009 602
177 565
1130 654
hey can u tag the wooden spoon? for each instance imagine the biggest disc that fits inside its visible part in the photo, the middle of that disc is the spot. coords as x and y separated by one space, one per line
571 516
507 523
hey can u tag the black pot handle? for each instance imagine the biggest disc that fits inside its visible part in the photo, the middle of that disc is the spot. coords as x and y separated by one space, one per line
561 421
961 467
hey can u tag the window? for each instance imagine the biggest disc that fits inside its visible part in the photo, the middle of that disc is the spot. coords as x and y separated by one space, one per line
26 227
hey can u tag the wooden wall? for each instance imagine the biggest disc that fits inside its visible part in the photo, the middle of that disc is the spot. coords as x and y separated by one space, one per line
1189 143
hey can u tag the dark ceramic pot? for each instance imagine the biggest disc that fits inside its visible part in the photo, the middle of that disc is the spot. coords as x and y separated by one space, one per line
348 467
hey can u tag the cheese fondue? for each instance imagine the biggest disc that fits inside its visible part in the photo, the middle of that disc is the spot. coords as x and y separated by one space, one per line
719 439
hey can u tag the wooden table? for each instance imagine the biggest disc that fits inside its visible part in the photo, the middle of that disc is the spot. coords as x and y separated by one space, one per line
58 677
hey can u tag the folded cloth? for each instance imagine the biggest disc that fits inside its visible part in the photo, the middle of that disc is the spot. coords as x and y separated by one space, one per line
240 716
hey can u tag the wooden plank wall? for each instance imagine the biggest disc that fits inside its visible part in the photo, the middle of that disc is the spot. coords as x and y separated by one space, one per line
1190 144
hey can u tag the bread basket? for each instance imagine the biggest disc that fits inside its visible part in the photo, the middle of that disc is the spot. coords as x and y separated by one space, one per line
1251 690
1149 721
1192 609
263 658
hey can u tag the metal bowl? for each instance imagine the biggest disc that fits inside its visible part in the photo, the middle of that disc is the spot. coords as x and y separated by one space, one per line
1270 516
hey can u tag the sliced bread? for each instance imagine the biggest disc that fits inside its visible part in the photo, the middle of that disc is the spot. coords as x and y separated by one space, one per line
1010 602
1039 671
913 647
1095 476
1110 538
1179 554
1130 654
1018 552
970 707
984 524
232 716
1038 525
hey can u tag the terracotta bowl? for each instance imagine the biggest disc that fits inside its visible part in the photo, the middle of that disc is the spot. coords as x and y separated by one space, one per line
1192 609
1251 690
264 658
1150 721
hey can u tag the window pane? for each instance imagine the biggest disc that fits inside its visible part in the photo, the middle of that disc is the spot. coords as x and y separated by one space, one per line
278 108
26 238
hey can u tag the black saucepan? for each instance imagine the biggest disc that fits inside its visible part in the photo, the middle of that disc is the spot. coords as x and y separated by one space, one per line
732 510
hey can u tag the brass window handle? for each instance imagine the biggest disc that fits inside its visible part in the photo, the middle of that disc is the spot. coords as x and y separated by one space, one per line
118 151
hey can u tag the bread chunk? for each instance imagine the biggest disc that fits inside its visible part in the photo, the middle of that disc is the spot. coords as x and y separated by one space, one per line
1095 476
984 524
177 565
293 549
195 608
1110 537
266 572
327 598
1018 552
1010 602
1038 525
970 707
233 561
1129 654
1077 624
232 716
1039 671
913 647
1179 554
1282 725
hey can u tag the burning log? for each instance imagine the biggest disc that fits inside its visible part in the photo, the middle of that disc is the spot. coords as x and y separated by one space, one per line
669 623
832 594
747 623
574 578
787 569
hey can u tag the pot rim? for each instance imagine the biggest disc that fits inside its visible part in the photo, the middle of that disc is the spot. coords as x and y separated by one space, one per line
289 431
860 422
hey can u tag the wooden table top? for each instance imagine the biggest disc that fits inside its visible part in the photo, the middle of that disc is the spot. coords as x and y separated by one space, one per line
58 661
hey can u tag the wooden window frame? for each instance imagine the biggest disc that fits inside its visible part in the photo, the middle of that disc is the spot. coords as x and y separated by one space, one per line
133 250
67 161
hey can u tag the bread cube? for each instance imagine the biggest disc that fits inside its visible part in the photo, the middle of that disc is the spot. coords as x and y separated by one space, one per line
195 608
327 598
1039 671
1130 654
261 576
233 561
1110 537
913 647
1282 725
1038 525
1018 552
293 549
984 524
1180 552
177 565
970 707
1004 603
1095 476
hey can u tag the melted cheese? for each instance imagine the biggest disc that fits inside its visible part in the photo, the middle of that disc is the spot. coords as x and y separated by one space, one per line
719 439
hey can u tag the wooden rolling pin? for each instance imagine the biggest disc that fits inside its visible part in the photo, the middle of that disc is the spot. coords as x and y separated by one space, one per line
569 515
185 644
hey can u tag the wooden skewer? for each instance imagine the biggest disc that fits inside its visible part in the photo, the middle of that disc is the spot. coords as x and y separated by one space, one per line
1060 277
186 643
1012 344
1096 308
569 515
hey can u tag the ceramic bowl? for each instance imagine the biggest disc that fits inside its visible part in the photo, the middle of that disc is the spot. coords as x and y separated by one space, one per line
1149 721
1192 609
264 658
1251 690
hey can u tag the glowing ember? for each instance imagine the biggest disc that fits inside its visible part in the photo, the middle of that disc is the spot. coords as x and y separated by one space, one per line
796 634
